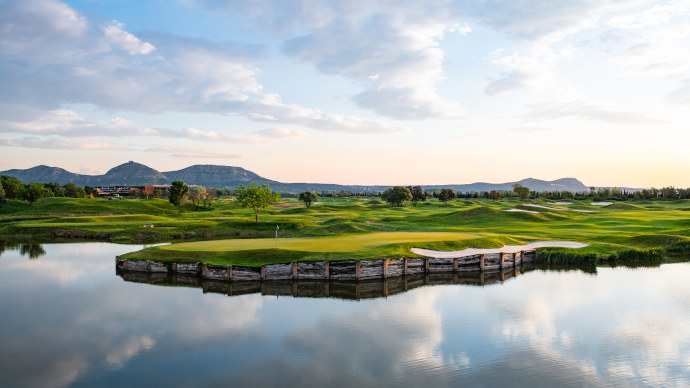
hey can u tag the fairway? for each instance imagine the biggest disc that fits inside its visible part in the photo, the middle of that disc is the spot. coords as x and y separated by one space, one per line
345 243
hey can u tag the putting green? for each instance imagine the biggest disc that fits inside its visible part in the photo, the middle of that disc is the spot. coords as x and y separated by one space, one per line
344 243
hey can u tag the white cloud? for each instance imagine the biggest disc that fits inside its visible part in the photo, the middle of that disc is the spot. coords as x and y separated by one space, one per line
280 133
116 35
583 110
109 69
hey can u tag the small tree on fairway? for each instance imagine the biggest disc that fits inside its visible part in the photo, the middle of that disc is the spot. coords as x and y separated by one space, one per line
495 195
35 191
178 193
197 194
308 197
521 191
447 195
397 195
255 197
417 194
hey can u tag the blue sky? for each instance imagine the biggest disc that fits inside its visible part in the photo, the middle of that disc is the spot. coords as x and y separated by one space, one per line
359 92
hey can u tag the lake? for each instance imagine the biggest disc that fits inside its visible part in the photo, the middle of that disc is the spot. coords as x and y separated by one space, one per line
68 320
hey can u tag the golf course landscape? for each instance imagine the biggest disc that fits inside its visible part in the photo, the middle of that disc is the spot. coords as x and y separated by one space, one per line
360 228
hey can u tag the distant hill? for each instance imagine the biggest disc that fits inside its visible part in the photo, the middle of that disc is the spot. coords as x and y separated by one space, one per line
137 174
563 184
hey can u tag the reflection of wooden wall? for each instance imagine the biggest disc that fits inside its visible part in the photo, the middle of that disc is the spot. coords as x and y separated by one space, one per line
336 270
328 288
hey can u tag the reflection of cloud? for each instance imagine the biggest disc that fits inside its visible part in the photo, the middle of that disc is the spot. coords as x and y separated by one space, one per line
101 323
122 353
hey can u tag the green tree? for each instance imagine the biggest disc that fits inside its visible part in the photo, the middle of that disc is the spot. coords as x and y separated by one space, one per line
417 194
255 197
2 195
90 191
178 193
55 188
157 193
35 191
521 191
13 187
495 195
308 197
71 190
669 192
446 195
396 195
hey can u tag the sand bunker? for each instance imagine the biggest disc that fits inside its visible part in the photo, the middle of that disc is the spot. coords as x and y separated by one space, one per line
560 203
521 211
555 208
504 249
601 203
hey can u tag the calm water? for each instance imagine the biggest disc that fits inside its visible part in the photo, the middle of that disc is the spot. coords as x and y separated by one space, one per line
67 320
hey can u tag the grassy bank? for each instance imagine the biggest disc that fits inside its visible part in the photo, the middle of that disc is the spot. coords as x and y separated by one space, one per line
358 228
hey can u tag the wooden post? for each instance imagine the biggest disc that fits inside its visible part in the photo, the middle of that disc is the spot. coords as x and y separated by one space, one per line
385 268
173 267
263 272
426 264
358 271
148 265
404 268
327 268
294 270
455 264
500 260
203 270
124 265
229 272
522 257
481 262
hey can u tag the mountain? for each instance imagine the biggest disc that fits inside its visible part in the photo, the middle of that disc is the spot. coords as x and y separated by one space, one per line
45 174
216 176
563 184
137 174
130 173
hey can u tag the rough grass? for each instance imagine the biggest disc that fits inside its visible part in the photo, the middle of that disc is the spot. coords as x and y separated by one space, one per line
612 231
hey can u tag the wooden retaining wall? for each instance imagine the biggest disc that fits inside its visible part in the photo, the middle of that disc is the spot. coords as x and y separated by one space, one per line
336 270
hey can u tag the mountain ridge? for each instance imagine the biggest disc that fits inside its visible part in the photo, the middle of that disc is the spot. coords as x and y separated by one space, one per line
216 176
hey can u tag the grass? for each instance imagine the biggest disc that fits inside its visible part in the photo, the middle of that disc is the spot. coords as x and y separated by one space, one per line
357 228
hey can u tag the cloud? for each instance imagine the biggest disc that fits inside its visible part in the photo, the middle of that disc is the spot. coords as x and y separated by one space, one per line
60 143
116 70
280 133
680 96
509 81
128 42
390 49
585 111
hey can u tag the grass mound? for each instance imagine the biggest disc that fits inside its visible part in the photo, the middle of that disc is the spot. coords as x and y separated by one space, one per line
622 206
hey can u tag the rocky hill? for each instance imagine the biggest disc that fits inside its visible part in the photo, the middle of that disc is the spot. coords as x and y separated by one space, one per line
137 174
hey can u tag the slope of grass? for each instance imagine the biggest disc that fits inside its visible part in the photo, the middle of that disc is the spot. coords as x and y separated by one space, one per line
352 227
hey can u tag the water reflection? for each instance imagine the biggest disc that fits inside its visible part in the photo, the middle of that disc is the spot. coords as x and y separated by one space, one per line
69 322
31 250
342 289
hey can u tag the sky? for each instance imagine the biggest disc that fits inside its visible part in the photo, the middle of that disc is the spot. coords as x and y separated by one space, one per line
352 92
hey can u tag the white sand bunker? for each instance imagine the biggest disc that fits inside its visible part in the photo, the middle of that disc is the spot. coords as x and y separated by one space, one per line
504 249
521 211
555 208
601 203
560 203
